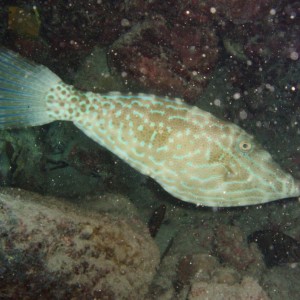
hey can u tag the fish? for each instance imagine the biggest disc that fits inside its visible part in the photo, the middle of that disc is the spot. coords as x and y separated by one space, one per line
193 155
156 220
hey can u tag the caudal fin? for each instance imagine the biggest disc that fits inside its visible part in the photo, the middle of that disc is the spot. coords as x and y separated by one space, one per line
23 87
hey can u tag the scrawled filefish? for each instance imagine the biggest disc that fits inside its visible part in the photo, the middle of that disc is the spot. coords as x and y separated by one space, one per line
193 155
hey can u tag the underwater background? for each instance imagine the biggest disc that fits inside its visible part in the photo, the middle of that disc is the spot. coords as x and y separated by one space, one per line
76 222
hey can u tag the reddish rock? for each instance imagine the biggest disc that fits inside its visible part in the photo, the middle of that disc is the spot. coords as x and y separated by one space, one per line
232 248
166 60
189 12
240 12
51 249
248 289
77 24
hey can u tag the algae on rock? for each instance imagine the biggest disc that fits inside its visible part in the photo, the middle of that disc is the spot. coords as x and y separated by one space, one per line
52 249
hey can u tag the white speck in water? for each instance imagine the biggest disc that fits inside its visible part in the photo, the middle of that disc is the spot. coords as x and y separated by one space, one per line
258 124
213 10
270 87
272 12
236 96
192 49
259 90
124 74
293 15
125 23
293 265
217 102
243 114
294 55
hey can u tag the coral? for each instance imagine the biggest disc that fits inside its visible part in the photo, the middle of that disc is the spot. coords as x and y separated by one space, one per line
50 249
248 289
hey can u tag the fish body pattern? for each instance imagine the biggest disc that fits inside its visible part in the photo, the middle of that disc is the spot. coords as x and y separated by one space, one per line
193 155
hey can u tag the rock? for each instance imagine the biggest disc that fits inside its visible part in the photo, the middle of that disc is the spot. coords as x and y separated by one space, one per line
110 203
166 60
232 248
282 282
248 289
241 12
198 266
94 74
50 249
226 275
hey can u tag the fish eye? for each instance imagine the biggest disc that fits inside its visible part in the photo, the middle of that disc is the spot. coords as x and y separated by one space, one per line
245 146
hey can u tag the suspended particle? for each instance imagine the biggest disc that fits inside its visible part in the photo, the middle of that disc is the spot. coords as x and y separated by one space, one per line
243 114
270 87
125 23
258 124
217 102
213 10
236 96
294 55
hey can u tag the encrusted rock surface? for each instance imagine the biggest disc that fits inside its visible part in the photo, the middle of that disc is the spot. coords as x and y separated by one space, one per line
248 289
49 249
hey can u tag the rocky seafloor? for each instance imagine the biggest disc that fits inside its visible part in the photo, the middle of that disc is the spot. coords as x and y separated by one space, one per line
83 233
51 249
99 247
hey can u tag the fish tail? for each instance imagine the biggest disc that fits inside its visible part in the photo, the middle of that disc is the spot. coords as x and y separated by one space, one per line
23 89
